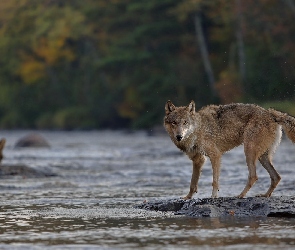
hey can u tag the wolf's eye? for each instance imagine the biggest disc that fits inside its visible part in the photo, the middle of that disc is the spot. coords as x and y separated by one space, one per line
185 123
173 123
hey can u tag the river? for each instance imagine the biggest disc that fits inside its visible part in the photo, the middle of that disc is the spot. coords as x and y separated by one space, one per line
102 175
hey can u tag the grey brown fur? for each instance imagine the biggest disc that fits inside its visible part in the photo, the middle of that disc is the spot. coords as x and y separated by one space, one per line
213 130
2 144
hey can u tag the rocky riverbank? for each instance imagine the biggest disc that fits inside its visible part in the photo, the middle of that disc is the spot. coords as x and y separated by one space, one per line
282 206
20 170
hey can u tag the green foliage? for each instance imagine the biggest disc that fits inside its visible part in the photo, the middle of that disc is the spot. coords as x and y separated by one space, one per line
284 106
12 119
73 118
109 63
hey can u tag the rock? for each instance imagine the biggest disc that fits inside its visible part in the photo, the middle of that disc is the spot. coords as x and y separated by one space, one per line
162 205
227 206
9 171
32 140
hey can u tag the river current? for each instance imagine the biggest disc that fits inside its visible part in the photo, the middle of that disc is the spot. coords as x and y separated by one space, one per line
100 176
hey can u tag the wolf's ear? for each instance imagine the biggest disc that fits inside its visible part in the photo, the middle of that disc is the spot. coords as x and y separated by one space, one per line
169 107
192 107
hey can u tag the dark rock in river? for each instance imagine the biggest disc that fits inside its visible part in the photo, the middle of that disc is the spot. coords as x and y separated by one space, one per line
9 171
32 140
227 206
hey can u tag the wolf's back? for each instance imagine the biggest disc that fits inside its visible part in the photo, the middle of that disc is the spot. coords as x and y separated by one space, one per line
286 121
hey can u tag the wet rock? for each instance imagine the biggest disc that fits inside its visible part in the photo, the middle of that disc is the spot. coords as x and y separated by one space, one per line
162 205
10 171
32 140
227 206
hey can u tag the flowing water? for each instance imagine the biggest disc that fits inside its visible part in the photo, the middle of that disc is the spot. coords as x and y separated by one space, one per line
102 175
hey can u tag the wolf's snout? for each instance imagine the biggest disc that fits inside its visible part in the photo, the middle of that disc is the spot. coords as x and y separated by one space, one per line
178 137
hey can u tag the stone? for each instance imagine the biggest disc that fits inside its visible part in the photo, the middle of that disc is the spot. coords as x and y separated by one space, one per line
32 140
283 206
16 170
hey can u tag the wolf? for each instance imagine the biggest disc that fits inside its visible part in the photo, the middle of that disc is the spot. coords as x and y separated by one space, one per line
2 144
216 129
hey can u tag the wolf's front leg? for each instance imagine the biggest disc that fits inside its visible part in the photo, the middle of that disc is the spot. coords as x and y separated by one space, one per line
215 159
198 162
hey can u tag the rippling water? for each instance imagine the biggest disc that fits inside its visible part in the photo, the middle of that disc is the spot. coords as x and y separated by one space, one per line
101 176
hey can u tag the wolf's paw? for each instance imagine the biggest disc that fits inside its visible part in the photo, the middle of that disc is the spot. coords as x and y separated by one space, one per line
214 194
262 195
186 198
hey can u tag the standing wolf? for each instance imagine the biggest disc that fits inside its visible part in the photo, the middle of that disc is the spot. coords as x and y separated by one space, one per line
213 130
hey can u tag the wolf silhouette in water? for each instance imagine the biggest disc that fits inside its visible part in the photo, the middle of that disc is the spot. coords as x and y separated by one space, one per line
213 130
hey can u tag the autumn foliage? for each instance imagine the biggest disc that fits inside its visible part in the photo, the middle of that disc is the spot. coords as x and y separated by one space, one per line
114 63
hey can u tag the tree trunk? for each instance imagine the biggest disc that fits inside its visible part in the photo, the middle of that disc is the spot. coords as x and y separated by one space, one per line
204 53
240 42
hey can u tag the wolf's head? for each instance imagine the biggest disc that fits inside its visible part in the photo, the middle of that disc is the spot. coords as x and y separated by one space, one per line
179 122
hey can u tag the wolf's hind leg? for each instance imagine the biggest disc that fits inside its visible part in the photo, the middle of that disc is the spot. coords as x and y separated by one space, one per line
216 162
251 159
274 176
198 162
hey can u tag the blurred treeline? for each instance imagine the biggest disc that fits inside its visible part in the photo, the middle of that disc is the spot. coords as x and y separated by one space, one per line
113 63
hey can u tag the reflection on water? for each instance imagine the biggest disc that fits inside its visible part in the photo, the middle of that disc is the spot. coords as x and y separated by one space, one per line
88 226
102 175
59 224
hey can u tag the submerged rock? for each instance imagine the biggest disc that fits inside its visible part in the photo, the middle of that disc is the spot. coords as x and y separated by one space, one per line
9 171
32 140
227 206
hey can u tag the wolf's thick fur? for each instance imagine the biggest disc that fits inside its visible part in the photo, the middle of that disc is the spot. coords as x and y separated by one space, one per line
213 130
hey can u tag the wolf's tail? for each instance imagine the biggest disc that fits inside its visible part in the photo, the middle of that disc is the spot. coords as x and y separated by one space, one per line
286 121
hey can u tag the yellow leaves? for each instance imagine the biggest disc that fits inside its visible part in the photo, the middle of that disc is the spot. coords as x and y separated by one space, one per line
54 35
46 54
31 71
53 50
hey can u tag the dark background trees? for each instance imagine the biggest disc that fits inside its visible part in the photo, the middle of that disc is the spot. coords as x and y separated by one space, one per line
109 63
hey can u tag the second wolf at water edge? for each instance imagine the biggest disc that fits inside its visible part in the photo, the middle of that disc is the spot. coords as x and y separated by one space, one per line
213 130
2 144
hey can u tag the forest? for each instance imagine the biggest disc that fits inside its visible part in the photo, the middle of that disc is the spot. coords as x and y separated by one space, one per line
97 64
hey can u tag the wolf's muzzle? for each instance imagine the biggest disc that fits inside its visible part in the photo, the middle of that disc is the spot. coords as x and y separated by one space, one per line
178 137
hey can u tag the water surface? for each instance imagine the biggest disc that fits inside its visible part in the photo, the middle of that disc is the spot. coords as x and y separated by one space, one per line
102 175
